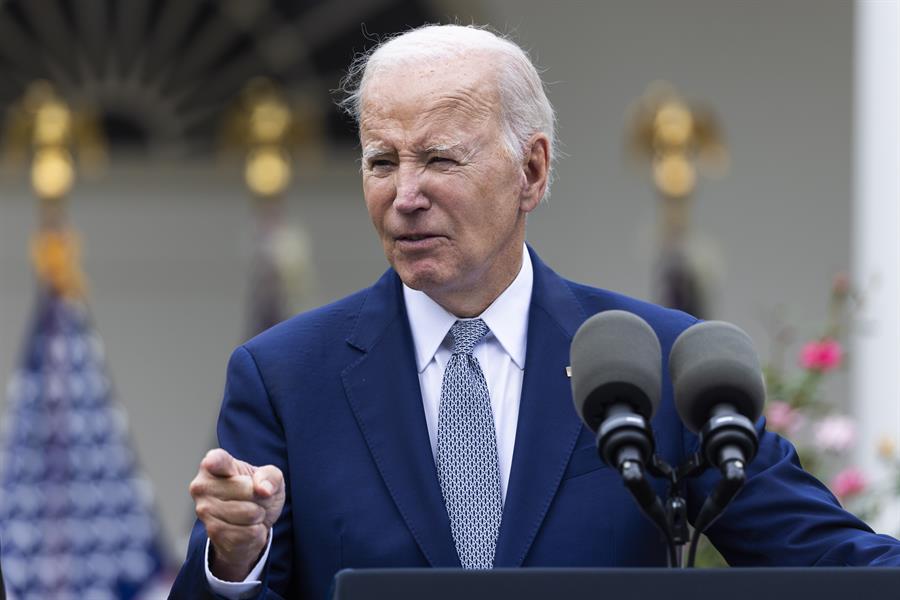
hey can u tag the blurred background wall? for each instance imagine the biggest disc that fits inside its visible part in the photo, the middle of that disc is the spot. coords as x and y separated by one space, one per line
167 228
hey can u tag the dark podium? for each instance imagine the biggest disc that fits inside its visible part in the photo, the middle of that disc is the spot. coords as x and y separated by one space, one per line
620 584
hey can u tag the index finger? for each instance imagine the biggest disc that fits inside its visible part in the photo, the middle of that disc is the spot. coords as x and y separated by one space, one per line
219 463
237 487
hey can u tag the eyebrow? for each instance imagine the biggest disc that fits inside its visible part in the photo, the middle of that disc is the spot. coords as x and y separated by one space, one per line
444 147
372 151
376 150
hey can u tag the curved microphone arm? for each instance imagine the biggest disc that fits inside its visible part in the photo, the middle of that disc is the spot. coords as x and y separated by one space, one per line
625 442
733 478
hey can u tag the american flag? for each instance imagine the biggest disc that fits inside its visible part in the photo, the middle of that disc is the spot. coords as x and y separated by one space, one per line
76 519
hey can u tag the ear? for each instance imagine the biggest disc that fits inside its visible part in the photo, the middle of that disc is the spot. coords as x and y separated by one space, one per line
536 170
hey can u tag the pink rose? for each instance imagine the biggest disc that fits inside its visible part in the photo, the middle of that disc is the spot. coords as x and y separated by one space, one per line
823 355
849 482
782 417
835 433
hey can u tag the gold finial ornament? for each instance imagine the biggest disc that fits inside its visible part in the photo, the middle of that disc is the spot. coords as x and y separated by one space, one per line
678 139
43 127
260 125
673 125
52 124
270 119
267 171
267 128
674 175
52 173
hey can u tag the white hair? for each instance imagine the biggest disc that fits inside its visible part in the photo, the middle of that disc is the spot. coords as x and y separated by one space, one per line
524 107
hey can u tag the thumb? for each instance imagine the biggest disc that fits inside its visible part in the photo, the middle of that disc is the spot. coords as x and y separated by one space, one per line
268 482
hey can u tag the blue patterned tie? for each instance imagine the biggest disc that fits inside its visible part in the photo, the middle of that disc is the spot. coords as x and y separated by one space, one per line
467 451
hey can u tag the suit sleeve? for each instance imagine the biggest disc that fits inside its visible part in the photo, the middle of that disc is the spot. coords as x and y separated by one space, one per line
250 429
785 517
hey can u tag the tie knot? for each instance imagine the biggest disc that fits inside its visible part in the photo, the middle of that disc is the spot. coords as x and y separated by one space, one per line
466 334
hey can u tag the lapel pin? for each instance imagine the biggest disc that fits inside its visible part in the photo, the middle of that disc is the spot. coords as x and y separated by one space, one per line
569 372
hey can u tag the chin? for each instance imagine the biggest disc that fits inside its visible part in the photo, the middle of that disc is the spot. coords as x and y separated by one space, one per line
423 278
423 282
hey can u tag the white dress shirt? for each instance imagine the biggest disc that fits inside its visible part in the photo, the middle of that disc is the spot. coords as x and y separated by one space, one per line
501 354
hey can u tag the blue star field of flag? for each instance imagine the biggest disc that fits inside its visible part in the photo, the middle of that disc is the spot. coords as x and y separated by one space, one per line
76 519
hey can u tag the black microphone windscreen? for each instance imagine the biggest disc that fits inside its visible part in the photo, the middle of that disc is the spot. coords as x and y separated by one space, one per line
711 364
616 359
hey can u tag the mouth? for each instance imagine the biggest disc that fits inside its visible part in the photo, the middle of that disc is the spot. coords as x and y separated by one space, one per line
419 241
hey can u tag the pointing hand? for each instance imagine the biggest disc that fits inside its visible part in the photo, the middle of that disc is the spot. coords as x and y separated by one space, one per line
238 503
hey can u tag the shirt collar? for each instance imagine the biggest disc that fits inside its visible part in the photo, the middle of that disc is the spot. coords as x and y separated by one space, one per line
507 318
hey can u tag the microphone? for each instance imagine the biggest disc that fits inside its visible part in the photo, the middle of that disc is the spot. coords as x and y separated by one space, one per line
719 390
616 378
719 394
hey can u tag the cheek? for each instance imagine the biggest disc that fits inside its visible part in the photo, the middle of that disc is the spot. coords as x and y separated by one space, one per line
442 187
378 198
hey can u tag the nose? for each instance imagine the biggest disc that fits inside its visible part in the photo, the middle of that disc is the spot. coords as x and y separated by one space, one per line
409 197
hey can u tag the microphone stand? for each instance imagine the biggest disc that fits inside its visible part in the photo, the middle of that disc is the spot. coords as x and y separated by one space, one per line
728 441
633 476
625 442
671 517
733 478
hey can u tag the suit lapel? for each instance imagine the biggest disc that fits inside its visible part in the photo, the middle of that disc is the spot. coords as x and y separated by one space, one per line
548 427
383 391
382 388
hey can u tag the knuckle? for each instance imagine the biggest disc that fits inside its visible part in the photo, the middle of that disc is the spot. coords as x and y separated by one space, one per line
243 488
269 471
259 531
216 455
259 515
270 517
205 510
197 487
273 504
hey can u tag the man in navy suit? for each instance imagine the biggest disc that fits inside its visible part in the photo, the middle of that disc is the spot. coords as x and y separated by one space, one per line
334 424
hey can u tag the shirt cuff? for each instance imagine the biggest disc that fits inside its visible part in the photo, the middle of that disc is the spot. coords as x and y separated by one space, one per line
238 590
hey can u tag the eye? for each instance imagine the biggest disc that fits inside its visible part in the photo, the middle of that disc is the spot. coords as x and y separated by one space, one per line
441 161
380 164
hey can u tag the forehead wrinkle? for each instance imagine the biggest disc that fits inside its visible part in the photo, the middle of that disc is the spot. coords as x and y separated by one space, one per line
451 124
446 117
467 104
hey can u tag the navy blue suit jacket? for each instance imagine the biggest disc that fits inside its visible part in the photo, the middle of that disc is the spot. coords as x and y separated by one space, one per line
332 398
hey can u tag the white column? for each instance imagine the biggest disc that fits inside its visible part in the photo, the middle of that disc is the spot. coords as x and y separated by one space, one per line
875 377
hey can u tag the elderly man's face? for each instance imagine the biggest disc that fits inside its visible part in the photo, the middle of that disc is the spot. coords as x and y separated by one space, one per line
444 196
